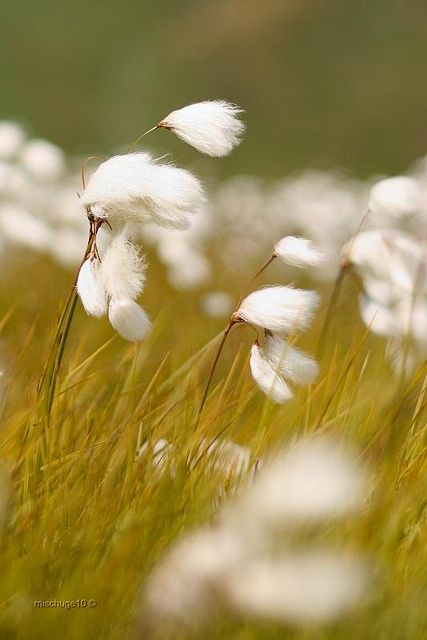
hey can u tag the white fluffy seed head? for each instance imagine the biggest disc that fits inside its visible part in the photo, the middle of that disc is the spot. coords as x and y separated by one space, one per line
398 196
313 481
267 378
298 252
279 309
43 160
129 319
379 318
122 269
91 289
11 139
289 362
212 127
308 586
183 589
134 187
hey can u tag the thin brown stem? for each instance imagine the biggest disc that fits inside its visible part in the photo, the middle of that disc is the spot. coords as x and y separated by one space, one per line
83 167
213 368
139 138
47 385
263 268
233 321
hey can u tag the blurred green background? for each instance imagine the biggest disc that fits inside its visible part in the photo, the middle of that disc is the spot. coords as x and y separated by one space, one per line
324 82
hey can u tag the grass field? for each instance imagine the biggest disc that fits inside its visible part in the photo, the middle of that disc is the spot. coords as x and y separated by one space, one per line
85 517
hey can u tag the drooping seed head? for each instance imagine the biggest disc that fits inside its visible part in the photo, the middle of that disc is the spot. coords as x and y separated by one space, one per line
129 319
134 187
298 252
279 309
212 127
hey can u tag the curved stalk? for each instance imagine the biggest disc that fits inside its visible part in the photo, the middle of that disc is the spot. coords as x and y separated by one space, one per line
47 386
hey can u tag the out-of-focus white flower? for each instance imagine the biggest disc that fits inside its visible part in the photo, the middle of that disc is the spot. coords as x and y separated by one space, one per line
314 586
379 318
18 226
184 587
122 269
91 289
216 304
13 183
43 160
193 271
267 377
129 319
313 481
12 137
66 245
398 196
289 362
212 127
412 315
298 252
389 256
279 309
135 187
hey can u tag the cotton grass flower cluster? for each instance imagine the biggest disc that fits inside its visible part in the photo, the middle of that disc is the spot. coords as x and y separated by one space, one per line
127 192
281 312
246 563
37 198
392 267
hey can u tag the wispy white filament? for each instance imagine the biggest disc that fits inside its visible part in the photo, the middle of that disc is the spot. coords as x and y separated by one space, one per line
91 289
291 363
298 252
134 187
129 319
267 377
122 269
212 127
279 309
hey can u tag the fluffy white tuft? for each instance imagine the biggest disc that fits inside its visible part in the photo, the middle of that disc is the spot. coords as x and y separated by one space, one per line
298 252
133 187
212 127
309 586
129 319
379 318
123 269
43 160
19 226
267 378
398 196
291 363
11 139
91 289
315 480
279 309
